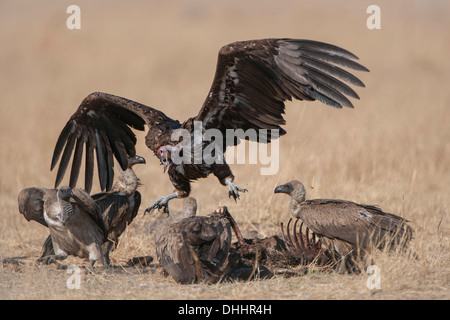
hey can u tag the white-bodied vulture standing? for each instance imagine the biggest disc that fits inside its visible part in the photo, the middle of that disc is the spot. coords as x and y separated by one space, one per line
346 227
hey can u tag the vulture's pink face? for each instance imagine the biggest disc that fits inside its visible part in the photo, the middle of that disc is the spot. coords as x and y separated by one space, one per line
167 154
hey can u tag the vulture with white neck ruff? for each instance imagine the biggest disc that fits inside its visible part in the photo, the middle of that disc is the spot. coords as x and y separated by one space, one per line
345 227
75 224
117 208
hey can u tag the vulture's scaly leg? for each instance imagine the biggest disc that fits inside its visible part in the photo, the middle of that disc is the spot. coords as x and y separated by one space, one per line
233 189
162 203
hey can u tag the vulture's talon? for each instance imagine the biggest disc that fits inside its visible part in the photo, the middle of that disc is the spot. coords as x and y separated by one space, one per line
234 195
233 190
161 203
45 260
52 259
158 204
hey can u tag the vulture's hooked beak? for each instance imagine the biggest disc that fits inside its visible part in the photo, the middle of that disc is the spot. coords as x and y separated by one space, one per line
166 155
135 160
284 188
166 161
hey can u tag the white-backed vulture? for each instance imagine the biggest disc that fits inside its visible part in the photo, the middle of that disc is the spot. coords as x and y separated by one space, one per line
196 248
75 224
117 207
253 79
346 227
120 205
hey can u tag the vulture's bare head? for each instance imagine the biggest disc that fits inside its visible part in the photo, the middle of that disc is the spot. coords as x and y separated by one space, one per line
169 156
295 189
65 193
135 160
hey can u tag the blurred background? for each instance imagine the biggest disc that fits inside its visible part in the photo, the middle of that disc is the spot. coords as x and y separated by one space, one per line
392 150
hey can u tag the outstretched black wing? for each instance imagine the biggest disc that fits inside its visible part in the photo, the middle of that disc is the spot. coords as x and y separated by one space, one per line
102 123
254 78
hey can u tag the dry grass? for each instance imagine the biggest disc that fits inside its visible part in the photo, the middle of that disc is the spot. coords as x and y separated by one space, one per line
392 150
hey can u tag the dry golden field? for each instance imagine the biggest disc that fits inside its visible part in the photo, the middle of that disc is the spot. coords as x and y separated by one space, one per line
392 150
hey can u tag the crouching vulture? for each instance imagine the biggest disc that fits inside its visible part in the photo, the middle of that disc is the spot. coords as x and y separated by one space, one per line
76 227
253 79
345 227
196 248
116 209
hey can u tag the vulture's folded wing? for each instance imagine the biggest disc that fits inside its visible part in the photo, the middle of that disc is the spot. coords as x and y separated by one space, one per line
88 205
31 204
354 223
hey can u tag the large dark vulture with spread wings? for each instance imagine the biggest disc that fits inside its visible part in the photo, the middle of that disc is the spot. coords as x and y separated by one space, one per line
252 81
